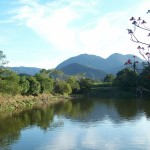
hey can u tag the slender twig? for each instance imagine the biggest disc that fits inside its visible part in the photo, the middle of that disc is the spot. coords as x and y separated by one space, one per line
137 41
143 55
147 29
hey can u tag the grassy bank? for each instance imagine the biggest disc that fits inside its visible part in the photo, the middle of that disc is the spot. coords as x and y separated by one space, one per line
9 103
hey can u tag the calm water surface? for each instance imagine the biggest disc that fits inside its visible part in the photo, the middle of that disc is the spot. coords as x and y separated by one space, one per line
93 124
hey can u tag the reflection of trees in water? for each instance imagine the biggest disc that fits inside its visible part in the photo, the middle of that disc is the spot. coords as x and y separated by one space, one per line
44 118
74 109
118 110
90 110
9 132
146 107
127 109
10 127
83 111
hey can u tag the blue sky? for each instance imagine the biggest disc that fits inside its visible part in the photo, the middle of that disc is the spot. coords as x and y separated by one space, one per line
43 33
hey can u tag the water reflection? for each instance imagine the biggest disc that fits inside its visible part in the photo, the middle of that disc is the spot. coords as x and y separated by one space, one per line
91 113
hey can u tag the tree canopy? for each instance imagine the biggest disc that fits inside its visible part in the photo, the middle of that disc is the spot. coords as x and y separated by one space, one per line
126 78
3 60
109 78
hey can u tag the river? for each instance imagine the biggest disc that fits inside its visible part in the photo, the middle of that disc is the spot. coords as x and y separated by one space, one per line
86 124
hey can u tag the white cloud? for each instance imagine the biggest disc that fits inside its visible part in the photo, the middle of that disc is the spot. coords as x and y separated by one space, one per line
75 27
99 141
53 26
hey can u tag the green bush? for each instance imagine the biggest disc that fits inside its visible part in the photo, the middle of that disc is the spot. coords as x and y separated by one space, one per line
62 87
46 83
126 78
144 78
25 85
35 87
9 82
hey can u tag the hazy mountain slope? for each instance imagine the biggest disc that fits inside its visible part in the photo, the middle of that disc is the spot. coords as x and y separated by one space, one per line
92 73
112 64
26 70
84 59
116 61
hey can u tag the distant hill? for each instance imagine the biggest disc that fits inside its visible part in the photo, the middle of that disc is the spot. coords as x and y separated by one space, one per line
26 70
112 64
89 72
84 59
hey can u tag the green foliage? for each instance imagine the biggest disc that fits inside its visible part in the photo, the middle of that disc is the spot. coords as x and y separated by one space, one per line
25 85
57 74
73 81
3 60
34 86
126 78
144 77
85 84
109 78
62 87
45 82
9 82
44 73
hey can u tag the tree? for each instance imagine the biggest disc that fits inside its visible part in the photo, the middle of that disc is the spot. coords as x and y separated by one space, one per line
34 86
126 78
62 87
73 81
54 74
140 24
144 48
46 83
45 73
3 60
144 78
25 85
85 84
133 64
9 82
109 78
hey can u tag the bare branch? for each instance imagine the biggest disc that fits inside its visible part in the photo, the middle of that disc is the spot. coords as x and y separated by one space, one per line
137 41
140 23
146 28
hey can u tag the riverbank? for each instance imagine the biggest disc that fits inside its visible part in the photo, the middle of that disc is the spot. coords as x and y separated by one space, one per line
9 103
116 92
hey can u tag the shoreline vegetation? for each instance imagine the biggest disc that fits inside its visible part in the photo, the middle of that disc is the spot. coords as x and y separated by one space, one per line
9 103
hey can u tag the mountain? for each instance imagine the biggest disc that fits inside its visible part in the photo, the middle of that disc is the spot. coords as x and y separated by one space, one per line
84 59
75 68
112 64
26 70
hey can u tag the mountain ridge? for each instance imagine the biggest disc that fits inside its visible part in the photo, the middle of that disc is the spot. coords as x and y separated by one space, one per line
75 59
111 64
